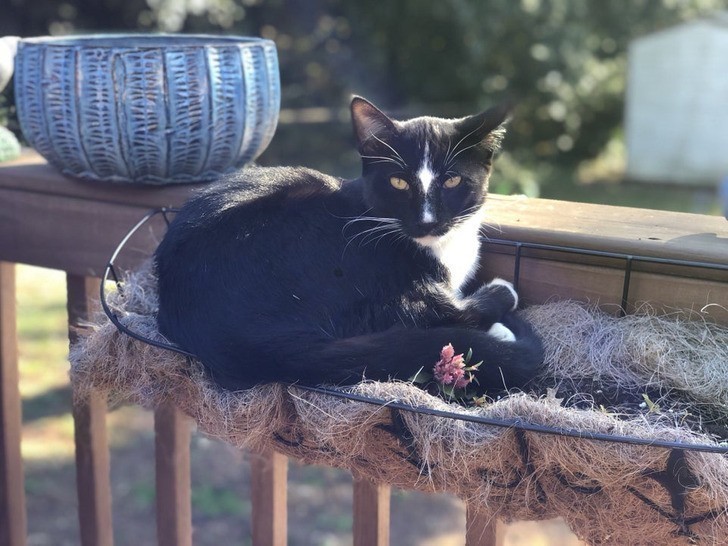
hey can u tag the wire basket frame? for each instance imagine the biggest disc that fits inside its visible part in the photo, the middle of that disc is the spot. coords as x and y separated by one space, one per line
110 273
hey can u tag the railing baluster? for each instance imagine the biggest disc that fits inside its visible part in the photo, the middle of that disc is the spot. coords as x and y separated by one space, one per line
13 525
481 529
269 473
93 481
174 504
371 513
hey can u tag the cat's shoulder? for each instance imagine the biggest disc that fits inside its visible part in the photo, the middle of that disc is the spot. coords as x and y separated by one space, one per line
254 187
259 182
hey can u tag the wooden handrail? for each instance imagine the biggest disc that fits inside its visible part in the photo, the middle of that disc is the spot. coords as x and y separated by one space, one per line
51 221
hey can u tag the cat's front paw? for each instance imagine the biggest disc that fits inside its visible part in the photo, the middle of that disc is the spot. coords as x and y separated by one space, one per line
498 284
492 301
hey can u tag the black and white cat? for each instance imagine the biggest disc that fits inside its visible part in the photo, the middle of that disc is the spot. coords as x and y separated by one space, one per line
288 274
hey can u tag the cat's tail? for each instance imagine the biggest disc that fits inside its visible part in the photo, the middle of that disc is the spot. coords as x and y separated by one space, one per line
397 353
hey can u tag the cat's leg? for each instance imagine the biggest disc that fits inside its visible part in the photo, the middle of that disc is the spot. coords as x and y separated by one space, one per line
435 305
493 300
490 304
400 353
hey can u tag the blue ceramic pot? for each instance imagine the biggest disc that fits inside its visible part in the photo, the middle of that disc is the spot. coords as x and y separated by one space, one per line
147 109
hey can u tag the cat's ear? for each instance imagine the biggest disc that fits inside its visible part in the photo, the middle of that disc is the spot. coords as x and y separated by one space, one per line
486 129
371 125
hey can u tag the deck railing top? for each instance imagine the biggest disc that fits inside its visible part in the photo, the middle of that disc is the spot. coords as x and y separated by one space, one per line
43 209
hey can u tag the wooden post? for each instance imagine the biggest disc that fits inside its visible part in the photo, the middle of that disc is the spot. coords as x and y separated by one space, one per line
371 513
93 481
269 473
482 530
13 526
174 497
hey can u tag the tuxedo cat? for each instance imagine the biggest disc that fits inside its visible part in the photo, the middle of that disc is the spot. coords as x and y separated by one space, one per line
288 274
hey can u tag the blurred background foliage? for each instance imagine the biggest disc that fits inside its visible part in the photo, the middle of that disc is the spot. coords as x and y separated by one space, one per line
563 61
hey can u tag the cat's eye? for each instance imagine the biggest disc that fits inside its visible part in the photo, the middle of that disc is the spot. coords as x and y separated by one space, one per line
452 182
398 183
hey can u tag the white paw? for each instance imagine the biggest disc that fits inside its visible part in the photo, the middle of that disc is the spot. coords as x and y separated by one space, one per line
502 282
501 333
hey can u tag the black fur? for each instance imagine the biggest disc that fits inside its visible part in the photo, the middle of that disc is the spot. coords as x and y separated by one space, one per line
282 274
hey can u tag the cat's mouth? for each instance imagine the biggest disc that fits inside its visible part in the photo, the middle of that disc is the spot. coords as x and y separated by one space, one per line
427 240
428 232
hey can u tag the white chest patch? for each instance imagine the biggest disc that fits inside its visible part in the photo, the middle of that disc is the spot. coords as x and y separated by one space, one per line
458 250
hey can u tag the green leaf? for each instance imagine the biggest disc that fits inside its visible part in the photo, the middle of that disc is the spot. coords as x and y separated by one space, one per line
421 377
475 366
650 404
469 355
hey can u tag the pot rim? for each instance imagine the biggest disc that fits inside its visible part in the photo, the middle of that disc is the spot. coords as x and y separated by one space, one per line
134 41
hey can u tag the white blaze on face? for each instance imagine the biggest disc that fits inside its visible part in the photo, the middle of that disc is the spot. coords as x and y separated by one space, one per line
426 176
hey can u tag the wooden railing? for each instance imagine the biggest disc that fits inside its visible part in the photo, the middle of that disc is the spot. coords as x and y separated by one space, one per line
49 221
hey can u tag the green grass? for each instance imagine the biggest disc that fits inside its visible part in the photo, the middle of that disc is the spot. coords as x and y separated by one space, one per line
41 323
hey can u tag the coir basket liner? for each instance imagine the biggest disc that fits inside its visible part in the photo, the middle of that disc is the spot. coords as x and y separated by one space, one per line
609 492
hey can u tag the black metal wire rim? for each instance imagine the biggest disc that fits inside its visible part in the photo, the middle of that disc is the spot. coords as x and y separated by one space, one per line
109 271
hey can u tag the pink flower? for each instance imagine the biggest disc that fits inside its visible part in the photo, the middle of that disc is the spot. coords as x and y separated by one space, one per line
447 352
450 369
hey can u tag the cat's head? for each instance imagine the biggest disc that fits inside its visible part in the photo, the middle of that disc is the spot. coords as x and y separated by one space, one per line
431 174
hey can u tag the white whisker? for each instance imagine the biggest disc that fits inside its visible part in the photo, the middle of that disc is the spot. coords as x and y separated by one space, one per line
447 152
484 230
463 150
450 159
403 164
378 234
378 239
384 225
381 157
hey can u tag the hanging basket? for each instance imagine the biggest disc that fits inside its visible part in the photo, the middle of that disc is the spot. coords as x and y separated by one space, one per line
649 472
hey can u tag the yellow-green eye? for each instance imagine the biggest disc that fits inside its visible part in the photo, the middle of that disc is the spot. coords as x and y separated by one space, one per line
452 182
398 183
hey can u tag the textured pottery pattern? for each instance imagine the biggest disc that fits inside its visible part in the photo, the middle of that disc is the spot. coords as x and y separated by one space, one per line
147 109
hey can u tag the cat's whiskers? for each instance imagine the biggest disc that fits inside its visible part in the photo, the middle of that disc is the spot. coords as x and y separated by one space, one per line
382 159
385 224
484 227
466 215
383 219
375 137
375 229
362 218
380 237
463 150
401 236
325 332
452 155
447 152
376 234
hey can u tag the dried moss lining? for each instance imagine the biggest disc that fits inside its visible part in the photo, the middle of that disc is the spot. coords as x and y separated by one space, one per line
608 493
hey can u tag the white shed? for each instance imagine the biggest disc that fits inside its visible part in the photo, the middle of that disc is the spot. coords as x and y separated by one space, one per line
677 104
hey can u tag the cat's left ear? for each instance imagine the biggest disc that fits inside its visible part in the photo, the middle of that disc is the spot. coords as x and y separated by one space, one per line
486 129
371 125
